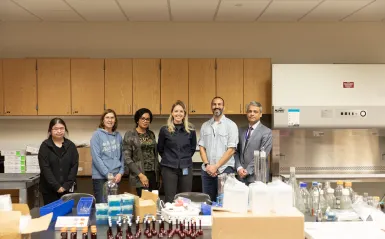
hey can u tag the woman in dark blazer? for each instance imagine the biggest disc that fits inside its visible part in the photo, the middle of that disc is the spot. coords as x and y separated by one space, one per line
58 162
140 153
176 145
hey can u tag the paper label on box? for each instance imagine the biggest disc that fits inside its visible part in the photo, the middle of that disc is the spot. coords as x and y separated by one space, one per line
67 221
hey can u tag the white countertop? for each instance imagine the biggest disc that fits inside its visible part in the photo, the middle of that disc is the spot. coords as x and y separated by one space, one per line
348 230
336 176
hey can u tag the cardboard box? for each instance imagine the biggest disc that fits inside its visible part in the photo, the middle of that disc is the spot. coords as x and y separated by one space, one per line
32 149
5 152
10 228
228 225
85 168
146 204
85 154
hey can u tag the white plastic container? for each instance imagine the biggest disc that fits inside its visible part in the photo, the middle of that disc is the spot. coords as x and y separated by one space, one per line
281 196
236 196
260 200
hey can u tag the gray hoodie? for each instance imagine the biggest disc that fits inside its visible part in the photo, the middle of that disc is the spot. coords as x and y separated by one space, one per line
106 151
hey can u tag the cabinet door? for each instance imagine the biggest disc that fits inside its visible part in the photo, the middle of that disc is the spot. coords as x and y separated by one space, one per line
118 85
174 83
258 82
54 86
201 85
230 84
87 86
146 85
20 96
1 89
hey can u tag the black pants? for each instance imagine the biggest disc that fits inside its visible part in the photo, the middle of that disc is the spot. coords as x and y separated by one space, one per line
175 182
152 185
49 197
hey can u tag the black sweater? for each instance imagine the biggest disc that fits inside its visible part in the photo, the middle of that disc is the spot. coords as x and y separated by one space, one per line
57 170
176 149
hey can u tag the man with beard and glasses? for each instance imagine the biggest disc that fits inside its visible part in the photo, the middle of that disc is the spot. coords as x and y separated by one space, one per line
254 137
218 142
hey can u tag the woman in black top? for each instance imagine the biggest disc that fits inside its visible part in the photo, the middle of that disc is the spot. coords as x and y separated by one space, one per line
58 161
176 145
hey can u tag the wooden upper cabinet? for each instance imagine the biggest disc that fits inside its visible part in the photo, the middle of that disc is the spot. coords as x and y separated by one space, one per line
54 86
230 84
258 82
118 85
146 84
201 85
19 79
1 89
87 86
174 83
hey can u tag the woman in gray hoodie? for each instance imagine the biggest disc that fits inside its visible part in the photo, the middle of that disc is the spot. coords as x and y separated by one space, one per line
106 151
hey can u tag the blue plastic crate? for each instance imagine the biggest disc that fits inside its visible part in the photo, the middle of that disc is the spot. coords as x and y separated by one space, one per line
84 206
59 208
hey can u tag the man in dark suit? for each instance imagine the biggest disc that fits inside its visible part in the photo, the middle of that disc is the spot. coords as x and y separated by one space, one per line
251 138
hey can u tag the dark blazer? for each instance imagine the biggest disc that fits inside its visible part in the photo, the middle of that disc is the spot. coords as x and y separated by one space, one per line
57 170
244 155
133 156
177 148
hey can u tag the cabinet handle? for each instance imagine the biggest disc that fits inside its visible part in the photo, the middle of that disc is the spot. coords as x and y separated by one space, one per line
240 108
75 112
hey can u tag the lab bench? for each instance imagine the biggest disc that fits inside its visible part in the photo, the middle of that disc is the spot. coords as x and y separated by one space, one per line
21 182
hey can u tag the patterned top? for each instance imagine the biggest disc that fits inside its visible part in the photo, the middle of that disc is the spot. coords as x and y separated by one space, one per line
148 148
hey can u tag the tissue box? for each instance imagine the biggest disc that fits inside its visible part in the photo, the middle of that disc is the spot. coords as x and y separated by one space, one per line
228 225
10 228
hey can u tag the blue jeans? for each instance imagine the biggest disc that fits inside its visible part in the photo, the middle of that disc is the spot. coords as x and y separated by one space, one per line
98 189
210 184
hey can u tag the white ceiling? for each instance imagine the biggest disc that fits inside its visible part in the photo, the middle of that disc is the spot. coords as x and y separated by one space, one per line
192 10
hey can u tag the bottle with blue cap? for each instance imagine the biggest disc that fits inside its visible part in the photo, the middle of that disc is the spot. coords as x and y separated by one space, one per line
305 196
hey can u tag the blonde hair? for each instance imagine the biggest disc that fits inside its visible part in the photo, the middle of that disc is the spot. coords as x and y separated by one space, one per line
170 122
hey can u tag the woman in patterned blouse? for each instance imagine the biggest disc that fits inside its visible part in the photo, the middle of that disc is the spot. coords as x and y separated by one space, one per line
140 153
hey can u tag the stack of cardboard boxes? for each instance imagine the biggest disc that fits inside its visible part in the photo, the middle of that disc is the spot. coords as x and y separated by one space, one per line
85 162
14 161
32 161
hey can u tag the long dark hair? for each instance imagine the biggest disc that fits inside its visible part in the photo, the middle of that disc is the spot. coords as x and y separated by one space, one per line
107 111
56 121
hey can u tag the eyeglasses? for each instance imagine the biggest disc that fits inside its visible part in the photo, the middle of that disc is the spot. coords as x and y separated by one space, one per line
58 129
145 119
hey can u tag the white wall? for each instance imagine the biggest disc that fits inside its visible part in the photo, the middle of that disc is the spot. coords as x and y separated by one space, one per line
283 42
17 133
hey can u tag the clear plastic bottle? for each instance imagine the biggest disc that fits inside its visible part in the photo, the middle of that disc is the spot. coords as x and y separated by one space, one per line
297 198
338 194
110 187
365 197
314 195
348 185
330 198
323 203
264 167
346 201
305 196
326 187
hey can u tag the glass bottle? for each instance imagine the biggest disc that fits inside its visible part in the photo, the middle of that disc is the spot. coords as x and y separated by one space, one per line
94 233
346 201
338 194
297 198
63 233
85 233
314 196
330 198
305 196
348 185
74 233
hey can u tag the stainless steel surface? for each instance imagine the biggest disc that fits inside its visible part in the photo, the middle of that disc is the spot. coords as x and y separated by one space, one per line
330 151
19 181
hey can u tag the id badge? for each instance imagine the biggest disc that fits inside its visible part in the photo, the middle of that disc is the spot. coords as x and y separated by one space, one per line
185 171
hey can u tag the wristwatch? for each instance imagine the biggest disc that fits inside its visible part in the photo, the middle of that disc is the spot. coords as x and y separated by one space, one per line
206 164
